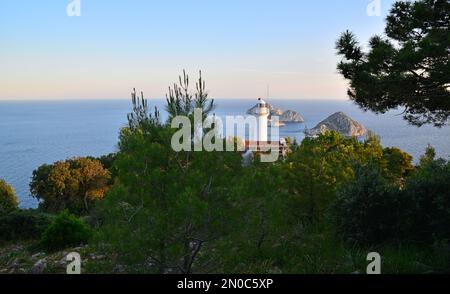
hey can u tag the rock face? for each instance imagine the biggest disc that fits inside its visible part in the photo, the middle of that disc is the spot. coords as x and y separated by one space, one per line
273 110
290 116
341 123
39 267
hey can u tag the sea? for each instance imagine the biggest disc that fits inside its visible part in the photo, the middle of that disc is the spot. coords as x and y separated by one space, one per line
33 133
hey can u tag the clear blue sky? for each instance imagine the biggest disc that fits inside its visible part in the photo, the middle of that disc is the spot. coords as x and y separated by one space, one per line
241 46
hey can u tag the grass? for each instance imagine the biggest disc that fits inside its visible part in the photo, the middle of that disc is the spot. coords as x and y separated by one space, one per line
323 253
315 251
319 251
19 258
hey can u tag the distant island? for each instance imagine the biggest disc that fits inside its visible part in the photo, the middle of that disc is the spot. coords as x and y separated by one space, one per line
339 122
288 116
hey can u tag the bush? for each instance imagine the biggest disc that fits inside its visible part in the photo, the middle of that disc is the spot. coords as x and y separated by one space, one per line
321 164
75 184
367 209
8 199
66 230
23 225
428 199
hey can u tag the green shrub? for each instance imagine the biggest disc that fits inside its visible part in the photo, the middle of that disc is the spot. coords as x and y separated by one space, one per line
23 225
428 198
367 209
66 230
8 199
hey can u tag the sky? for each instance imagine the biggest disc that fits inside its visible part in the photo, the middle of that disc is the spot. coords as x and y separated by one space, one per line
241 46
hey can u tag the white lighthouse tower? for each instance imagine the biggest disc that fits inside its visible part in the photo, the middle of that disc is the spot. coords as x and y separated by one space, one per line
262 113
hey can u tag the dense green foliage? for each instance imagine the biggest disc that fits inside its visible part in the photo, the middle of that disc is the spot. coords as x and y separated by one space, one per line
319 210
265 218
73 184
23 225
8 199
427 204
165 205
204 212
409 68
370 209
316 169
65 230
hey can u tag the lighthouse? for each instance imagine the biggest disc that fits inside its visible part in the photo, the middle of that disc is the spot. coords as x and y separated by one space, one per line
262 113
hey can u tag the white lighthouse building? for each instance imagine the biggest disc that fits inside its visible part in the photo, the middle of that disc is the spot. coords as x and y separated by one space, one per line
262 144
262 113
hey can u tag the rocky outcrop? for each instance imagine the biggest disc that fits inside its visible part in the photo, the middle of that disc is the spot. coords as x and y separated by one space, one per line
274 111
339 122
39 267
290 116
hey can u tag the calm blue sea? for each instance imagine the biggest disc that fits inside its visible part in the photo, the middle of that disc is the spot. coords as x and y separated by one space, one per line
37 132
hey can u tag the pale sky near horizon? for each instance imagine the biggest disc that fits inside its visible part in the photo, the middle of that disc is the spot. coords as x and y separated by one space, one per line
241 46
